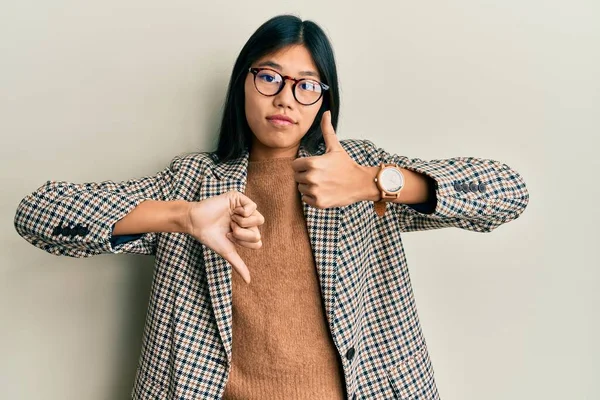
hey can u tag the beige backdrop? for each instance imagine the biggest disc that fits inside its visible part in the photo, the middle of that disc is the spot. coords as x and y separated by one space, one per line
112 89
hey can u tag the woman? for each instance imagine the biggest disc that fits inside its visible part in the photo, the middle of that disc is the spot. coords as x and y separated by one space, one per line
329 312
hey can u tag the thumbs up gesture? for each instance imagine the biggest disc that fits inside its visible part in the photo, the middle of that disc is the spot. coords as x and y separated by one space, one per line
333 179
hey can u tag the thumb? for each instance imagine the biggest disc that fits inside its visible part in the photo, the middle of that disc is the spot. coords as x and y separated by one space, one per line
331 141
245 206
238 264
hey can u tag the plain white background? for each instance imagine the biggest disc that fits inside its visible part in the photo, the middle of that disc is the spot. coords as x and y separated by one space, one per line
91 91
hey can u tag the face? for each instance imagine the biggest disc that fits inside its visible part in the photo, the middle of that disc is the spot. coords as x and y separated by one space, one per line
273 138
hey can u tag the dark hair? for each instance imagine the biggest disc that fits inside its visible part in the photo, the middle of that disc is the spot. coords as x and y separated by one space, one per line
278 32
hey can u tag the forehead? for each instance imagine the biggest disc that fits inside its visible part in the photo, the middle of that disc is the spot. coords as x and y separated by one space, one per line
292 60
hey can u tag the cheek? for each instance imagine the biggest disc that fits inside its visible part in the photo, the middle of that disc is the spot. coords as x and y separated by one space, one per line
252 106
308 117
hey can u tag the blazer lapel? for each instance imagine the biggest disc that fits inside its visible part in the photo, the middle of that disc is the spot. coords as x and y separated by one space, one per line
225 177
323 231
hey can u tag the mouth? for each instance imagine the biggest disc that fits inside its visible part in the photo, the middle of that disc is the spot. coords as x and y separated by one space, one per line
280 120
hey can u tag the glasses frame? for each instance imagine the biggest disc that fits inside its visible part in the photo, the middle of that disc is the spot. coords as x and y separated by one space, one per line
255 71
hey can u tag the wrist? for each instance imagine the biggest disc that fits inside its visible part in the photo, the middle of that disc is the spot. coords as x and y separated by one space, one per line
368 188
415 188
180 216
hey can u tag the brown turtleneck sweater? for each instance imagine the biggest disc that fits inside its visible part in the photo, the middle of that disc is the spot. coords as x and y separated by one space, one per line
282 347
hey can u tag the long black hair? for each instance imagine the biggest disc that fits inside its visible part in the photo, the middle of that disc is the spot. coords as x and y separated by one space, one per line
278 32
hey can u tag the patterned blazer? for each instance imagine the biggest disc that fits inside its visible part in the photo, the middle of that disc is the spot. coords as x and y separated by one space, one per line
364 279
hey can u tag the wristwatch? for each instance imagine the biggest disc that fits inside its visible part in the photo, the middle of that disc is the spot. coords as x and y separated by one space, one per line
390 181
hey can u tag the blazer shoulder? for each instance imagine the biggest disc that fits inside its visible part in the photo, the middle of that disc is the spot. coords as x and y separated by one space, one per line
198 161
363 151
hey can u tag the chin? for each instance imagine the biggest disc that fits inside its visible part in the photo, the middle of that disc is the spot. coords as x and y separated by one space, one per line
278 142
278 139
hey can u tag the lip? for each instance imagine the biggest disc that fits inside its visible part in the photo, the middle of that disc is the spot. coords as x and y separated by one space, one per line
280 118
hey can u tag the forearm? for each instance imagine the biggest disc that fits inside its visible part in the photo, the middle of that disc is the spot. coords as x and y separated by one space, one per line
415 189
465 192
155 216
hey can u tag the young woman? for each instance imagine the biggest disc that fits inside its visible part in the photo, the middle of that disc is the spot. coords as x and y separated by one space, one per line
329 312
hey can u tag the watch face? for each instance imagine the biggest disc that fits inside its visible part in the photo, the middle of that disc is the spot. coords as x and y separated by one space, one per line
392 179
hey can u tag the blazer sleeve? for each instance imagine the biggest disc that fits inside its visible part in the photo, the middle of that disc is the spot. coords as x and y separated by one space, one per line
470 193
77 219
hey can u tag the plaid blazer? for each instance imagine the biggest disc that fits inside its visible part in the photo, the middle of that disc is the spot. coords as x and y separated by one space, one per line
365 283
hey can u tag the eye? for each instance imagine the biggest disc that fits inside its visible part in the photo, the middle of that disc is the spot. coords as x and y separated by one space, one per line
269 77
310 86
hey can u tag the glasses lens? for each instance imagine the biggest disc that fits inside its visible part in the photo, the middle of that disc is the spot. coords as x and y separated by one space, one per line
267 82
308 91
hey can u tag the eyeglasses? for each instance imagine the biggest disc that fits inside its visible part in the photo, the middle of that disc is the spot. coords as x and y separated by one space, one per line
269 83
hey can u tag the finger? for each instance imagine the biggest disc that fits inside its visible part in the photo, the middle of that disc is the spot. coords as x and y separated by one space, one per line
246 234
302 164
255 219
305 189
255 214
238 264
260 216
310 200
301 177
331 140
247 206
250 245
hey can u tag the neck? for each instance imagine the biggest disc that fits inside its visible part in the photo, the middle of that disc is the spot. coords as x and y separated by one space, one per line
259 152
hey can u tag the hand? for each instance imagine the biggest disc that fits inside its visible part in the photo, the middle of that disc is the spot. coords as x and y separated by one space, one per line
333 179
220 221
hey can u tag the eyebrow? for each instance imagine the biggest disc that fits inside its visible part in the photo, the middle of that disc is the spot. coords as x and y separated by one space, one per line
280 68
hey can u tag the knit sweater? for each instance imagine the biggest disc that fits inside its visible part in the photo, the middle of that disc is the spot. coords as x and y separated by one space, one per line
282 347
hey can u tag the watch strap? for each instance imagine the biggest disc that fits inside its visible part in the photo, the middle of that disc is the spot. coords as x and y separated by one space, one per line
380 207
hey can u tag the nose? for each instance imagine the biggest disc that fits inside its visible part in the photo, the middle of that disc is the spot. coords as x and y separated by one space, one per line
285 98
